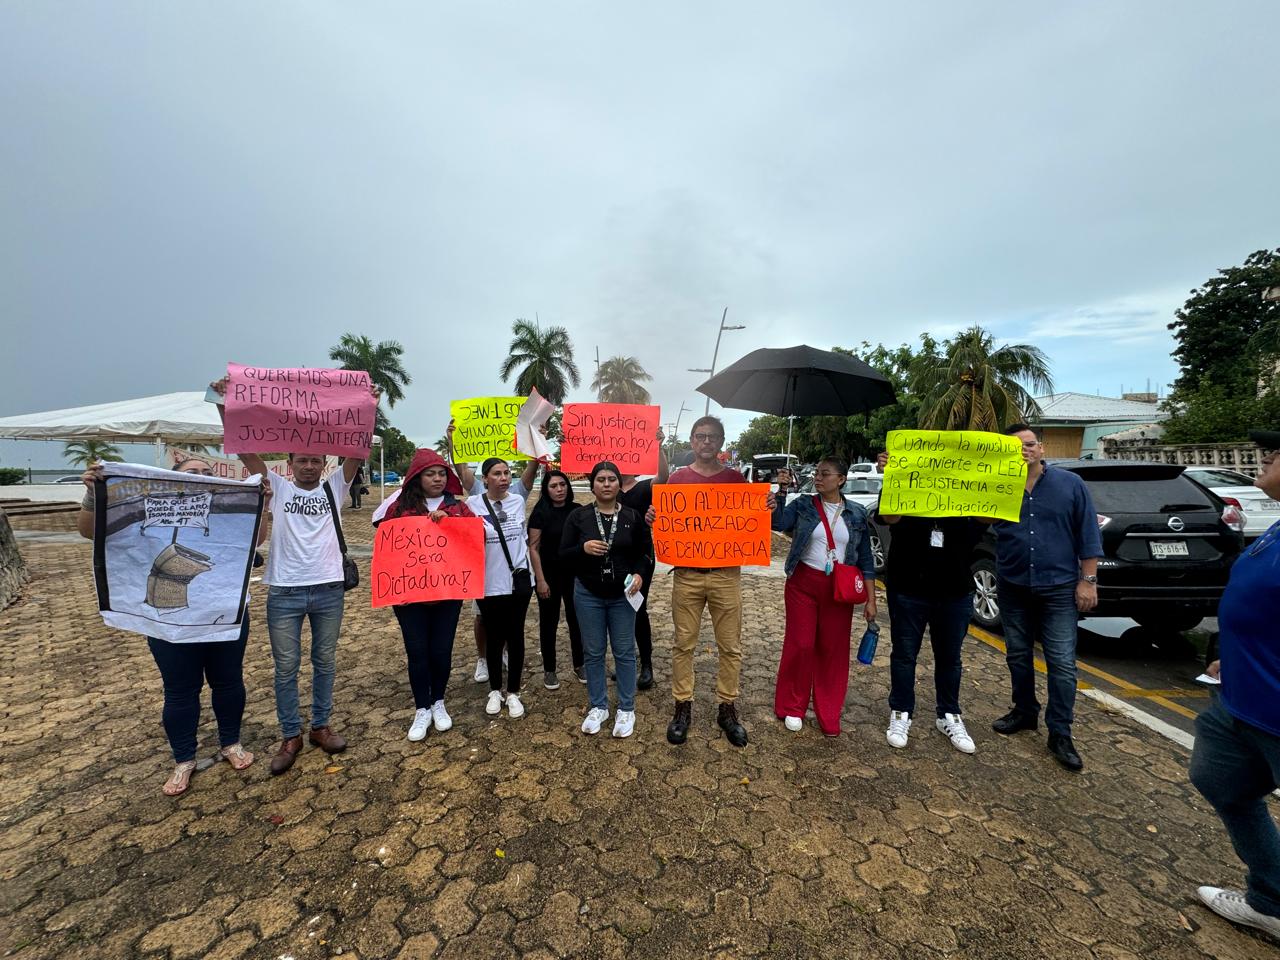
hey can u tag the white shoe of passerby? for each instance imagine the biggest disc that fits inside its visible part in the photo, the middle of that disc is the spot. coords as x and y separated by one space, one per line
441 716
899 727
595 717
624 723
1232 905
515 709
494 706
421 724
951 726
482 672
794 724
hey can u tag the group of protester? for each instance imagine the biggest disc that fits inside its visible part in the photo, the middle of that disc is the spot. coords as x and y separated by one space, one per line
595 561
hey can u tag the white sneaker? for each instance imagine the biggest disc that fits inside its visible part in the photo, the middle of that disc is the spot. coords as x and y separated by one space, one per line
624 723
482 672
421 724
952 726
441 716
494 705
1232 905
515 709
595 717
899 726
794 724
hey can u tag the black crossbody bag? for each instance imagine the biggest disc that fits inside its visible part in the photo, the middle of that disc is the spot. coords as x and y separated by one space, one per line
350 572
522 579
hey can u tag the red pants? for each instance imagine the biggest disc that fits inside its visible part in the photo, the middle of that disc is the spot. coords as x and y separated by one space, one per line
815 650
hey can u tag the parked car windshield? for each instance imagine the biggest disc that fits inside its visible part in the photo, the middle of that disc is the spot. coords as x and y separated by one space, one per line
1148 496
1221 478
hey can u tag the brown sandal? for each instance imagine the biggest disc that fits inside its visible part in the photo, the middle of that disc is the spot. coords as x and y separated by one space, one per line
236 755
179 780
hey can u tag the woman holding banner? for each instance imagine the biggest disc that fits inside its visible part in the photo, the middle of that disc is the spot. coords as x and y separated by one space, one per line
552 577
828 532
607 545
430 489
185 667
508 583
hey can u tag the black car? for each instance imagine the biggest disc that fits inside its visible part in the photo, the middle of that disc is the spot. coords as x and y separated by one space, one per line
1169 544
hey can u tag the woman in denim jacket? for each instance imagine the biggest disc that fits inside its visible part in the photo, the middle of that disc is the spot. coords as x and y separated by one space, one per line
815 649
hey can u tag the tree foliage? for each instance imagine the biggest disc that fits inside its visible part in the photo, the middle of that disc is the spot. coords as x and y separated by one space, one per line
620 380
972 384
82 453
544 359
397 450
382 361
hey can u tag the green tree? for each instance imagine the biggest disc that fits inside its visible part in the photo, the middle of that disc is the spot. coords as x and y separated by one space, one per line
765 434
974 385
619 380
544 359
382 361
397 450
82 453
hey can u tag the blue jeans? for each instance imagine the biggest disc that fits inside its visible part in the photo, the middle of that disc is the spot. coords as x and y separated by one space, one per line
184 667
287 607
607 620
1047 614
1236 766
948 623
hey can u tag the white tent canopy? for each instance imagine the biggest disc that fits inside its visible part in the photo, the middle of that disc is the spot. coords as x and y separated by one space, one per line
168 418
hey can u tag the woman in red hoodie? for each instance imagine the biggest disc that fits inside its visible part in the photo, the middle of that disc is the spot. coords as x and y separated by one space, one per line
431 489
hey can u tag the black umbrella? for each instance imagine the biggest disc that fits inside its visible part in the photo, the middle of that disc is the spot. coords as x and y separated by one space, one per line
800 381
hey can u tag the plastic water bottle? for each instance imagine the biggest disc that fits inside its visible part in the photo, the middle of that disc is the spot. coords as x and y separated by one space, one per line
867 648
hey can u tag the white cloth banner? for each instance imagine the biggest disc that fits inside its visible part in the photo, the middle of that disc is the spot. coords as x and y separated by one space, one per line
172 551
231 467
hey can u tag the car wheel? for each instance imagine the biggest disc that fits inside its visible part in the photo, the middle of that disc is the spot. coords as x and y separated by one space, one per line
1169 622
877 553
986 601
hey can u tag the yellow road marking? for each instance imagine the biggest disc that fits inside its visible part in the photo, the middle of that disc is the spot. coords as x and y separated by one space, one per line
1194 694
1124 687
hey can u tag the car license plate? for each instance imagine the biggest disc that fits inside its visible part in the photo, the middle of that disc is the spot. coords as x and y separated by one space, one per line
1161 549
1269 504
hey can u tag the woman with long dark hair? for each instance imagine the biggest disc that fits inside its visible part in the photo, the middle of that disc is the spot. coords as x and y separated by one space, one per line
430 489
552 577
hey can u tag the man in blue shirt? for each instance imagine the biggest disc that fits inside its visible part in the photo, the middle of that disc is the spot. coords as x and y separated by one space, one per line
1236 762
1047 566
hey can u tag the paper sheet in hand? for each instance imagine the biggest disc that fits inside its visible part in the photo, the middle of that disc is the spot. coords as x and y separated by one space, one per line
635 599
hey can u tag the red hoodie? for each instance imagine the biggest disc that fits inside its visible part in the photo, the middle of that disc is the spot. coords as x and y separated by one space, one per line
452 488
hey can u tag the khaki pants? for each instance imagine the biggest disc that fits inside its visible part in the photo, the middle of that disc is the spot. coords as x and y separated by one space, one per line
721 590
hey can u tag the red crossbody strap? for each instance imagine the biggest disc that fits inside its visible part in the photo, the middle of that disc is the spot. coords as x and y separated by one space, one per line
822 512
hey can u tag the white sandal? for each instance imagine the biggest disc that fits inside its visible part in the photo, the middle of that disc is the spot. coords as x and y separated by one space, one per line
179 780
237 756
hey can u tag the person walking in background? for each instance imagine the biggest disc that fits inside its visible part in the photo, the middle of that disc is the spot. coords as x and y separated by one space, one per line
357 488
1236 760
552 576
825 529
508 583
430 489
638 495
607 545
1047 566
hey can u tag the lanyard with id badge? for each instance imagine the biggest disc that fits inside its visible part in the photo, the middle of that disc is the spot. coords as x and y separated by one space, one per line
935 537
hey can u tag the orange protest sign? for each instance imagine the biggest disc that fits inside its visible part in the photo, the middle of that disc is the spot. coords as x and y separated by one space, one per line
417 559
711 524
623 433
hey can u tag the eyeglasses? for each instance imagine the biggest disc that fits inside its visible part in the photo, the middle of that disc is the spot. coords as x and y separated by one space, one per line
707 437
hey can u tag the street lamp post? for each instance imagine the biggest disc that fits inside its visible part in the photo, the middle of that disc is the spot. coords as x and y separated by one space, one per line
716 354
675 430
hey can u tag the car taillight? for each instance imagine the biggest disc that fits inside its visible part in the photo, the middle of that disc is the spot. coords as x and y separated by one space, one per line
1233 516
1233 502
1103 521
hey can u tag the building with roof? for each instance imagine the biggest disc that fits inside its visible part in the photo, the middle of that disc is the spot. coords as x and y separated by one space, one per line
1075 423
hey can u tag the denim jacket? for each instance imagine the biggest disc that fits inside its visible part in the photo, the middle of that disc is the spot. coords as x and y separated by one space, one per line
800 519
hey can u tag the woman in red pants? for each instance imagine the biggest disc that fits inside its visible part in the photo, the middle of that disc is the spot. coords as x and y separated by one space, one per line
826 529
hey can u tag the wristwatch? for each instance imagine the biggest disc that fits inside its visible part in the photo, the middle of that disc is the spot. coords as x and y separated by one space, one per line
1093 580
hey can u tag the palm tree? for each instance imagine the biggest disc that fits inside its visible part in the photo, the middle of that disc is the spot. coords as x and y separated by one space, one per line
442 446
618 381
82 453
547 360
381 361
974 385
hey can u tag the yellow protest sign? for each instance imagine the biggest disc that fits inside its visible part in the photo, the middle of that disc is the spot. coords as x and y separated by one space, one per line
953 473
485 427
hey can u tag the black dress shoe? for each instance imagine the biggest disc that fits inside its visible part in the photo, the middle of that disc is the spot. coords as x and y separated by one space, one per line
645 680
734 731
1016 720
678 728
1064 751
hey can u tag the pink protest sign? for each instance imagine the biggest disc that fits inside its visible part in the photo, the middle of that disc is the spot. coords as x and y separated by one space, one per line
622 433
298 410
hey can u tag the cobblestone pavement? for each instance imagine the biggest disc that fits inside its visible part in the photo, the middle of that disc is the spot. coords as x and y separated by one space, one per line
524 838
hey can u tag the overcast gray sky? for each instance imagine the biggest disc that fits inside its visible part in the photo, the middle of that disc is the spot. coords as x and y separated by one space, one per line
185 184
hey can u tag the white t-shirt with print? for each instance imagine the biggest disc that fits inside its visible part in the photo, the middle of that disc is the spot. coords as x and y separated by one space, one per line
497 575
304 546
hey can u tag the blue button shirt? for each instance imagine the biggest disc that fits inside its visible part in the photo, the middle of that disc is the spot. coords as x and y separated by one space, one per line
1059 528
1248 639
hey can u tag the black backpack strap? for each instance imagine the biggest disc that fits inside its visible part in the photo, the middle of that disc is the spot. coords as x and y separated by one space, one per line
333 513
502 537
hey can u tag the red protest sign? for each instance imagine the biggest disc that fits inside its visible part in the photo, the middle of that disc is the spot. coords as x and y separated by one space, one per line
623 433
416 559
298 410
712 524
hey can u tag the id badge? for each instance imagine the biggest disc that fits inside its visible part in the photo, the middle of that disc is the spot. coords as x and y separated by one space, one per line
935 537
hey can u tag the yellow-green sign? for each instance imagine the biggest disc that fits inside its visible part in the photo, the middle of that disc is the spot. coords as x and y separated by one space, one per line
485 427
953 473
